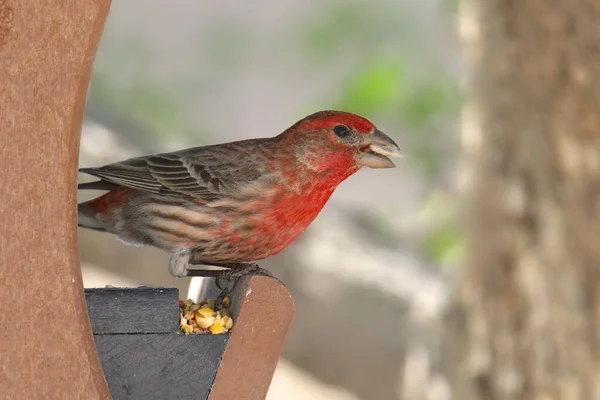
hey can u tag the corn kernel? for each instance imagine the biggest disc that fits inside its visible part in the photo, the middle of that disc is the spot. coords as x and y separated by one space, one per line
206 312
216 329
229 324
204 322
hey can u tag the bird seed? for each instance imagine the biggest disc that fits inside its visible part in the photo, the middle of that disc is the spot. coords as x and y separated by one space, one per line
202 318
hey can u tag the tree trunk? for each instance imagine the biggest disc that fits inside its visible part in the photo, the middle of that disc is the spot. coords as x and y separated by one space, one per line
525 323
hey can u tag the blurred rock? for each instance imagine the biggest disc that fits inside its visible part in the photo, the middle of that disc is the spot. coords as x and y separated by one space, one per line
362 309
291 383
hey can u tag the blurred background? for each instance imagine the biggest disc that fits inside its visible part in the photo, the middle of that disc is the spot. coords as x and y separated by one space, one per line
370 277
470 271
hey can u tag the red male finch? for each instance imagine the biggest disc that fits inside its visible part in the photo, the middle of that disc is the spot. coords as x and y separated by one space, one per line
229 205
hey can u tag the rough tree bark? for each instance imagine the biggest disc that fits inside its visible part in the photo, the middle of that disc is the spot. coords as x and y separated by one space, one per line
525 323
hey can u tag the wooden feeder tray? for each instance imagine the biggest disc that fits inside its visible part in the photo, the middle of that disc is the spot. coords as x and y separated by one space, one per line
145 356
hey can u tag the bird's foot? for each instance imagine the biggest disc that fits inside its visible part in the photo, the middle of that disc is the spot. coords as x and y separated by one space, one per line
229 279
226 278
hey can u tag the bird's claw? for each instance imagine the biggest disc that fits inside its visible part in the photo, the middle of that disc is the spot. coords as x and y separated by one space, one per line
232 277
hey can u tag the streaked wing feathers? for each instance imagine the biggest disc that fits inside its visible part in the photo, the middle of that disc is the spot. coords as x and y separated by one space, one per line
206 173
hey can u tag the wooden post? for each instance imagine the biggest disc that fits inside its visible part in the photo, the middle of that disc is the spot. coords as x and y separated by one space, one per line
46 52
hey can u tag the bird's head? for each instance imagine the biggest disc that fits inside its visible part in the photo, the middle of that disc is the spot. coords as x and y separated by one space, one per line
337 139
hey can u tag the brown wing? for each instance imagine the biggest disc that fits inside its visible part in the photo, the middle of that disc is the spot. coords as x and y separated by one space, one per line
207 173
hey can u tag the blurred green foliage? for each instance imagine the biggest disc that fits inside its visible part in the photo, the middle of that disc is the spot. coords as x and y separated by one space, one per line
388 88
392 86
451 5
353 26
443 242
373 88
231 44
125 95
386 81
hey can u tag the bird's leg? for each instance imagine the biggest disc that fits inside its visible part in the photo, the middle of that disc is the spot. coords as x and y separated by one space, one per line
226 278
181 260
178 263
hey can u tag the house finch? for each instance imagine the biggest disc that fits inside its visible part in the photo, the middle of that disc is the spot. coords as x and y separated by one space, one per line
231 204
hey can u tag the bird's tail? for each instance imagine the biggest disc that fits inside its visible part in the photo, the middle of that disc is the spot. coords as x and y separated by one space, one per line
96 185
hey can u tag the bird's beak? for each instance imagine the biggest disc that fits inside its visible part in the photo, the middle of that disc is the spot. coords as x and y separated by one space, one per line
376 147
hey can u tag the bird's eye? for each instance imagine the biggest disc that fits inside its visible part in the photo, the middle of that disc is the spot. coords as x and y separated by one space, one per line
341 131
